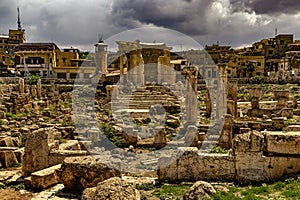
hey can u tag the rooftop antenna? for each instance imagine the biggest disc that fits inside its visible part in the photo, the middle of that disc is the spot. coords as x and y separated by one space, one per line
276 31
19 20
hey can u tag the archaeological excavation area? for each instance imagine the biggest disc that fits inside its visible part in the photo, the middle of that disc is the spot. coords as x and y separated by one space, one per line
66 140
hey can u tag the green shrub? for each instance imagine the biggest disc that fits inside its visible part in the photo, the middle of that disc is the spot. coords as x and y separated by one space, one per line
34 79
145 187
257 80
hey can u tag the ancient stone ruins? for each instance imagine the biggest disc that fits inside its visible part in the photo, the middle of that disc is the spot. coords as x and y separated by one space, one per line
256 127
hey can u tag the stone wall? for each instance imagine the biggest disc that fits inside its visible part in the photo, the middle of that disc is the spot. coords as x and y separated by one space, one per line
256 157
192 165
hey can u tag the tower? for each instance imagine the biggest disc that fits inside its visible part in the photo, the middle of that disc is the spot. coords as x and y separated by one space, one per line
101 56
19 20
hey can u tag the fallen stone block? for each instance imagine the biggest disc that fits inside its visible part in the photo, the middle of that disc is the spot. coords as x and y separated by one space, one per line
78 173
45 178
111 189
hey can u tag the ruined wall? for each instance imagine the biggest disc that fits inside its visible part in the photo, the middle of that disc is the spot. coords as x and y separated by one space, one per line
257 157
192 165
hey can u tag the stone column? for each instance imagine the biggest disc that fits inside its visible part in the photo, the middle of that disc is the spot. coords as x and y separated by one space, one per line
232 88
52 86
133 64
39 89
225 140
21 86
191 97
121 59
208 102
33 91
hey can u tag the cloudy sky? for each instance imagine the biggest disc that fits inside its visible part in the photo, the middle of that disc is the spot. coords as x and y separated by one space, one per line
78 23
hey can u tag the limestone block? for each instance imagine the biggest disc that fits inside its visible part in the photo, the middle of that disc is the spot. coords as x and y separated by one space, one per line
8 158
78 173
293 128
7 142
167 169
111 189
45 178
199 190
283 143
37 149
70 145
160 139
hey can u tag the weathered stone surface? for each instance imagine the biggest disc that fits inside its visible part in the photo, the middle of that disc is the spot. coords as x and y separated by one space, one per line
45 178
111 189
8 158
191 137
199 190
7 142
283 143
78 173
70 145
37 149
160 139
293 128
192 165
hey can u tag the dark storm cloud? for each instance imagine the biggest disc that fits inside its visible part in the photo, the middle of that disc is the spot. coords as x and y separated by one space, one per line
187 16
8 15
272 7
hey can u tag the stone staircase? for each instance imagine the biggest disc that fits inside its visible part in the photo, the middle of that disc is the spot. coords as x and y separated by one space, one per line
146 96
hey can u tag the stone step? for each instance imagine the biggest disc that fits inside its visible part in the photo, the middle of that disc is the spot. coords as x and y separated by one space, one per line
45 178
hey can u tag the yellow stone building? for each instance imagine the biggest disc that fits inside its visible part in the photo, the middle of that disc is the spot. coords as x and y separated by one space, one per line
246 66
48 61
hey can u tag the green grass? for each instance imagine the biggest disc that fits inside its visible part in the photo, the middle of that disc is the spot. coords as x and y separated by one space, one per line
145 187
171 191
217 149
289 189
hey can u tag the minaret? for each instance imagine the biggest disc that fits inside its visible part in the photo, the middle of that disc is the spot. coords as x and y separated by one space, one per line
101 56
19 20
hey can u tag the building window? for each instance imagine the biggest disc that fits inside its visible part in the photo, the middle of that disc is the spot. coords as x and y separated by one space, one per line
61 75
228 71
3 58
50 61
209 74
73 76
282 42
259 64
64 59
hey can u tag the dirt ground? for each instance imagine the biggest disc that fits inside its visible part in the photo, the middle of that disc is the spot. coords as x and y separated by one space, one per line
11 194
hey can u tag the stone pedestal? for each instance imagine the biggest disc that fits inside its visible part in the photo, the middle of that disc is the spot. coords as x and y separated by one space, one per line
160 139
